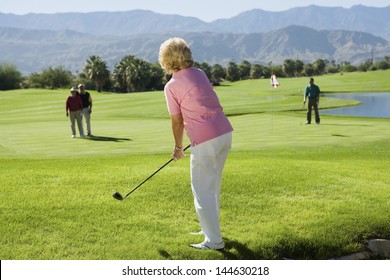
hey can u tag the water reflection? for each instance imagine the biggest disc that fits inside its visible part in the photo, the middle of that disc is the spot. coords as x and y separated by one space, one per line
373 105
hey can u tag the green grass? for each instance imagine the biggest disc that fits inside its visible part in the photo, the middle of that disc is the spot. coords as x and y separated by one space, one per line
289 190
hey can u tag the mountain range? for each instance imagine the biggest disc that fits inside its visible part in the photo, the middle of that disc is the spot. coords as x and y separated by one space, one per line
36 41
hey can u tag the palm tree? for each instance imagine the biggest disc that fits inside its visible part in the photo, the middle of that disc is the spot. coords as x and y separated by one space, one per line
97 71
132 74
218 72
122 74
232 72
289 67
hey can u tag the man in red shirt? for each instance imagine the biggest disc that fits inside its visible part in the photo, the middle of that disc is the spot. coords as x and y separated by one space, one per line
73 108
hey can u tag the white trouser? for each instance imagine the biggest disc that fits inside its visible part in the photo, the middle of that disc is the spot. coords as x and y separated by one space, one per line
207 162
87 116
73 117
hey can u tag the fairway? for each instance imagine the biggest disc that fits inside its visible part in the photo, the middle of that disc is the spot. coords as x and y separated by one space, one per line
289 190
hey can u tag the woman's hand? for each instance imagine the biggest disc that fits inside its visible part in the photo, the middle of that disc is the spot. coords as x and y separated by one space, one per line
178 153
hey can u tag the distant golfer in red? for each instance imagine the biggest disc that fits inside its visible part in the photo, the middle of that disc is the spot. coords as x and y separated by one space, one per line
194 107
73 108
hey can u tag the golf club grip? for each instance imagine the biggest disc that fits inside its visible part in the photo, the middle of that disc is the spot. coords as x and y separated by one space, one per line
153 174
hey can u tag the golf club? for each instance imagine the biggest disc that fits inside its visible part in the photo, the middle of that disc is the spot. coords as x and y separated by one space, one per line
118 196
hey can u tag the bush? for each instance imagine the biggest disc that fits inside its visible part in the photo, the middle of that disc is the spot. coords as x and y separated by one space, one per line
382 65
52 78
10 77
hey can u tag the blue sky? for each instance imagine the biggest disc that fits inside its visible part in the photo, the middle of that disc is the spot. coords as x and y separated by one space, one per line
206 10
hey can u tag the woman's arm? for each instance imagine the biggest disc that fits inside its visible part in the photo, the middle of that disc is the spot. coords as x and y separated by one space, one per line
178 134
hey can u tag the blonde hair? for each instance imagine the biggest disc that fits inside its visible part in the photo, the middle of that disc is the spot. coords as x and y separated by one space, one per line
175 55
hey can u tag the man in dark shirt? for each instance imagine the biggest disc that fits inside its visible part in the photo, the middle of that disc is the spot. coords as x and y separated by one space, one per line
73 109
312 92
87 107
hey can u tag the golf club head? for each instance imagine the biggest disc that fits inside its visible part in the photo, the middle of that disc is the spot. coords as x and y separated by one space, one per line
117 196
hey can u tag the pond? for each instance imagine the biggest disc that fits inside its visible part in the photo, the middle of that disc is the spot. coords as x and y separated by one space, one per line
375 105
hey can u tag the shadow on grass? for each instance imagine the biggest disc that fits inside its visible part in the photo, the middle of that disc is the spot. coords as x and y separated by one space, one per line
341 124
108 139
286 248
165 254
292 247
305 249
235 250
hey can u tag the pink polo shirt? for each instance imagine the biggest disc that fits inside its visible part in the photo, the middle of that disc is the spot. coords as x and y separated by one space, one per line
190 93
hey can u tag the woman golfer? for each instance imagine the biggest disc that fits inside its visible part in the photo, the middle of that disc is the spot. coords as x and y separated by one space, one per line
194 106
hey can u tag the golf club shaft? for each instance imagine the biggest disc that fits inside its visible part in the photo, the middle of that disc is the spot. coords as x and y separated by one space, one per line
152 175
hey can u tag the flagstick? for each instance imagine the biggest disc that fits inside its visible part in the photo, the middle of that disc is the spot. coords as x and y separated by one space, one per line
272 103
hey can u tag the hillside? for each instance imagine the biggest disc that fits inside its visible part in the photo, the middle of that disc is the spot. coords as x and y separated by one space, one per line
357 18
34 50
36 41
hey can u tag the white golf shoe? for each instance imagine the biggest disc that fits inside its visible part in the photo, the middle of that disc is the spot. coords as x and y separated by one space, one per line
197 233
205 245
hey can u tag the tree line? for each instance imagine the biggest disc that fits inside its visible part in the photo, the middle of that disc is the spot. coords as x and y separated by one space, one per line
133 74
